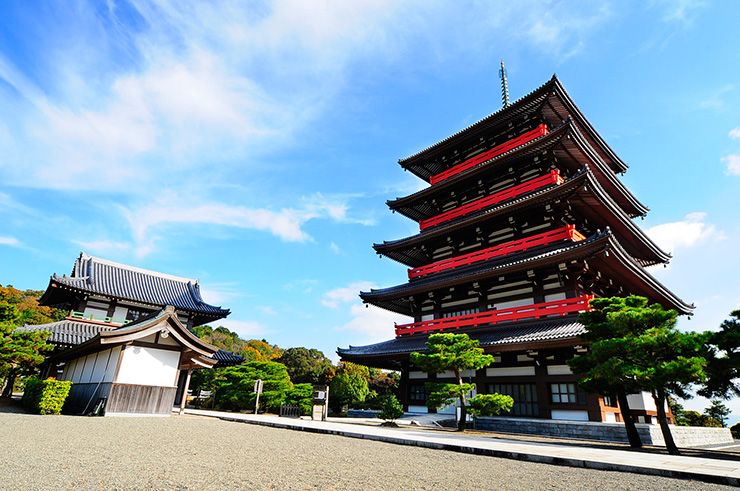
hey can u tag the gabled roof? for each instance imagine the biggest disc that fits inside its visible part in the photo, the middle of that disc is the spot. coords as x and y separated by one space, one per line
197 353
96 276
551 99
502 336
602 249
582 189
567 141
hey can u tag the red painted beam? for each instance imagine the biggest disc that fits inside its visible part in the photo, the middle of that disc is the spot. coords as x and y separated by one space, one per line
552 178
541 130
567 232
491 317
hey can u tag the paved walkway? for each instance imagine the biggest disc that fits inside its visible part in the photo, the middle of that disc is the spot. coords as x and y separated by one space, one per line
700 469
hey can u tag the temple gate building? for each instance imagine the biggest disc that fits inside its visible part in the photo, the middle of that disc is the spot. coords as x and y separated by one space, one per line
523 222
127 339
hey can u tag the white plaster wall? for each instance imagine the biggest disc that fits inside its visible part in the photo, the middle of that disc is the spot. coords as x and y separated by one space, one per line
610 417
509 371
120 312
558 370
169 341
644 401
555 296
417 375
463 373
98 314
572 415
148 366
418 409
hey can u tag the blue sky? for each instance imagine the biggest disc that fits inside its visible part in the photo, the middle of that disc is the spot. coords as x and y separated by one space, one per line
253 145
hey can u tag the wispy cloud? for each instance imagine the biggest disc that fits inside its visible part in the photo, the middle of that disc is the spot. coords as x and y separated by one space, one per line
715 101
10 241
735 133
683 11
691 231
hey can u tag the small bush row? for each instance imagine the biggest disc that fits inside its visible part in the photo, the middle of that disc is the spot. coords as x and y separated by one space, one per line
45 396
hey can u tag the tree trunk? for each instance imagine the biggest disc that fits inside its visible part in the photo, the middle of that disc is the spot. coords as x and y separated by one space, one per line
659 398
9 383
629 422
463 405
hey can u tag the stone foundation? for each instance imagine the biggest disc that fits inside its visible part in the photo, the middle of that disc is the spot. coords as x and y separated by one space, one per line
684 436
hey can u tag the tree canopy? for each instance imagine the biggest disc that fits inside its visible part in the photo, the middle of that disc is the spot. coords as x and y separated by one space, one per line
306 365
20 352
634 347
454 352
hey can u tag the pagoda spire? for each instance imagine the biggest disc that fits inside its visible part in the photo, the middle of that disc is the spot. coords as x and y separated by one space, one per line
504 85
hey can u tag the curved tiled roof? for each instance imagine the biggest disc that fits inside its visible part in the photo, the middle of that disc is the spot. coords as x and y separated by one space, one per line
94 275
532 101
500 335
69 332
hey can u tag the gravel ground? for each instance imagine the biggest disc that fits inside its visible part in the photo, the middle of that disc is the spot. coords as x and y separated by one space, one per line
189 452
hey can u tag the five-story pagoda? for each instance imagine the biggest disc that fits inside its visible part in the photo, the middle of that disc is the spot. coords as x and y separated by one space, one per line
523 222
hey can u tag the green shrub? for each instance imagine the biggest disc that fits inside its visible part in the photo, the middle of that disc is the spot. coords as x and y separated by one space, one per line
490 404
300 395
390 408
45 396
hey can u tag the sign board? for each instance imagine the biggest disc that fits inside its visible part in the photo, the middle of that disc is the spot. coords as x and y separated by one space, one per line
320 402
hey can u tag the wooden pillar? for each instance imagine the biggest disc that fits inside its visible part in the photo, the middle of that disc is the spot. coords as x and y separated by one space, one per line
185 391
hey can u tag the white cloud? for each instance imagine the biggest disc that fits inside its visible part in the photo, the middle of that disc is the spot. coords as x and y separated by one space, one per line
374 323
716 101
735 133
335 248
733 164
10 241
219 293
147 220
349 293
691 231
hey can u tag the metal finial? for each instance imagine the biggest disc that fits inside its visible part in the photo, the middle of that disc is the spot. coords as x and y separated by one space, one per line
504 85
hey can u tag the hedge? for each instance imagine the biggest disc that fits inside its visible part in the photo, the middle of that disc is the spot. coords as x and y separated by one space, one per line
45 396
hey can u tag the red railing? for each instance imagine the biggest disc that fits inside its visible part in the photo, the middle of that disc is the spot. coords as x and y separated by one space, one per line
567 232
541 130
558 307
552 178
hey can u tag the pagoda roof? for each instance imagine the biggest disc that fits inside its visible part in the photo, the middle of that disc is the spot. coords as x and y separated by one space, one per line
566 141
584 185
501 337
97 276
597 247
550 98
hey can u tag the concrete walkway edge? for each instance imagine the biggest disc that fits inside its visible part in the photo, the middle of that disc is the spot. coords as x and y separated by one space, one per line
699 469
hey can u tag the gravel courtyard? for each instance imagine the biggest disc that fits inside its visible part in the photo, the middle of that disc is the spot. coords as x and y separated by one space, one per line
188 452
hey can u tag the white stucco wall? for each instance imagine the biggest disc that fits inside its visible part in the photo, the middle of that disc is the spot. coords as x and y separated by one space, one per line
148 366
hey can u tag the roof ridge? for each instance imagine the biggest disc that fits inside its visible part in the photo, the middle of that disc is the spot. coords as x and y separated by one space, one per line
510 107
85 257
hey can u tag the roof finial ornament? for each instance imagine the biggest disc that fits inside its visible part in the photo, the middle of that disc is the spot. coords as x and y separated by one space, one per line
504 85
